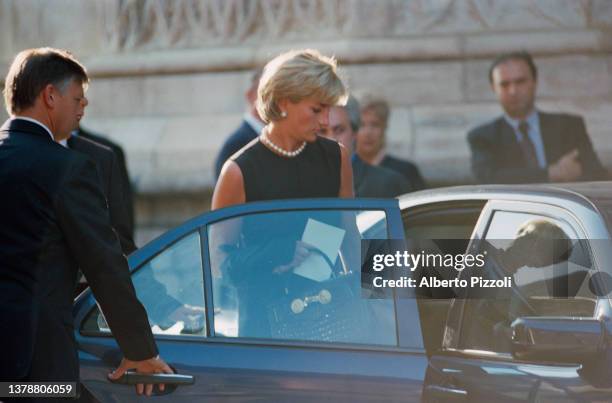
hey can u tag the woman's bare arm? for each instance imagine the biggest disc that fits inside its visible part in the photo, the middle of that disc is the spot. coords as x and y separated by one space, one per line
229 191
346 174
230 187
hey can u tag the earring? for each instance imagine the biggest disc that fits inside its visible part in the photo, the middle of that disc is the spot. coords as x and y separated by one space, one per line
283 114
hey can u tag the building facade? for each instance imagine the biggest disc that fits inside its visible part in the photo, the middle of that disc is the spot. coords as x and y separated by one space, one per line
168 77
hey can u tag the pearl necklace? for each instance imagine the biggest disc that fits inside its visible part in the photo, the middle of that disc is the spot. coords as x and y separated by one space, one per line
289 154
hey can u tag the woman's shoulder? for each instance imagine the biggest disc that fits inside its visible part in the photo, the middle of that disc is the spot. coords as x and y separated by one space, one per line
327 145
328 148
246 151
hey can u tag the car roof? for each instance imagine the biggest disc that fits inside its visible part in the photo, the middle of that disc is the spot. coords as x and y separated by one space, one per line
586 198
595 196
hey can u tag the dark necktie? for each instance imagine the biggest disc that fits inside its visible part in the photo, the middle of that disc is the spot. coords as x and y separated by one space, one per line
527 145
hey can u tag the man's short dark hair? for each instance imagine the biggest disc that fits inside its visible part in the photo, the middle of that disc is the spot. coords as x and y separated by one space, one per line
34 69
521 55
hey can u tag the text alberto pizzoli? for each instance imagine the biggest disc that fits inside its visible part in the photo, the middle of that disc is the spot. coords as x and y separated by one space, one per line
414 261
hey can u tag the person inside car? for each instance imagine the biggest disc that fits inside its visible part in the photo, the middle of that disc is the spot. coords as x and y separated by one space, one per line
539 243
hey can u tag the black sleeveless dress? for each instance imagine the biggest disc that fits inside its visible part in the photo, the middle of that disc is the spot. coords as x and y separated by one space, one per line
315 172
267 242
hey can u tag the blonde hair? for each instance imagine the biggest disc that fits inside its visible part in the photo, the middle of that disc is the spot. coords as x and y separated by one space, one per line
379 106
297 75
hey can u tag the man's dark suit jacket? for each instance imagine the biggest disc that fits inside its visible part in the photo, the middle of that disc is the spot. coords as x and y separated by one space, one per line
374 181
497 156
409 170
238 139
110 176
54 220
124 176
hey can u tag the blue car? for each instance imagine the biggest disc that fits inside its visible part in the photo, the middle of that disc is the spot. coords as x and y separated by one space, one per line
265 302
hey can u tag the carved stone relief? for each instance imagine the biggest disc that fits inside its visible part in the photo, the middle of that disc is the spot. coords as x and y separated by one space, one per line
160 24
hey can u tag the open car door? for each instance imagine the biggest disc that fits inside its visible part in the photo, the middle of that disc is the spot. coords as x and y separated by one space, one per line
263 301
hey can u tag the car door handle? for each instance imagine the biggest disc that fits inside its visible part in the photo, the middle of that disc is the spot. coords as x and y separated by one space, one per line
446 393
133 378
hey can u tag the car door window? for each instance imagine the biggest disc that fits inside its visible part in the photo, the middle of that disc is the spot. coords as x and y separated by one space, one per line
295 276
549 265
443 228
171 288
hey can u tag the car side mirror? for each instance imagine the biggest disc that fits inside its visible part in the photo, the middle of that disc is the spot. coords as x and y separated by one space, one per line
558 339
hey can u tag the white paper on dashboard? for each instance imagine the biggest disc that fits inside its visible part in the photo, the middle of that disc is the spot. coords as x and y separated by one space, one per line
327 239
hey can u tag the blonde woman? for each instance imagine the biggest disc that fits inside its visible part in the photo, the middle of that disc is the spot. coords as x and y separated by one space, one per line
290 159
253 256
370 142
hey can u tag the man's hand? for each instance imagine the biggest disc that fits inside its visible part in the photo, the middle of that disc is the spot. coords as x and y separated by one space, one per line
151 366
567 169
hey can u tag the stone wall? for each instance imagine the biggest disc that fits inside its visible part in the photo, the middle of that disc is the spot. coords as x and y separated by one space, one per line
169 76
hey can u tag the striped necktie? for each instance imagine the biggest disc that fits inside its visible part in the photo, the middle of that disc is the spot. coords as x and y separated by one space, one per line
527 145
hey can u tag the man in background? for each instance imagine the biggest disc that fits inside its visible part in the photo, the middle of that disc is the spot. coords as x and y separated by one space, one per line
251 126
124 177
368 180
371 142
526 145
112 185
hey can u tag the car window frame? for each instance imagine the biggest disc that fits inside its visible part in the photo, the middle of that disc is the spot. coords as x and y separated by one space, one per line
142 262
556 212
394 231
